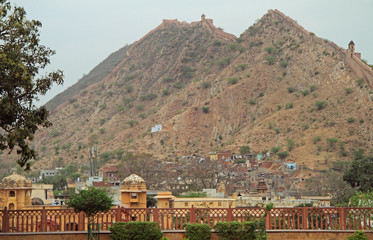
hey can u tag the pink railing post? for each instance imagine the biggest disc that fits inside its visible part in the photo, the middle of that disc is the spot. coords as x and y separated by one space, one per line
155 215
118 214
43 220
229 214
342 218
192 215
5 220
305 218
268 220
81 221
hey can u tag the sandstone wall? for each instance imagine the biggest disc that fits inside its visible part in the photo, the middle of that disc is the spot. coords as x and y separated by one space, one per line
361 69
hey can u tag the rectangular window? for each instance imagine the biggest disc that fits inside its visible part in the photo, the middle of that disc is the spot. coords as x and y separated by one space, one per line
133 195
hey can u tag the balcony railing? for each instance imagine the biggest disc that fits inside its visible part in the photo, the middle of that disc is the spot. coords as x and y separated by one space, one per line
303 218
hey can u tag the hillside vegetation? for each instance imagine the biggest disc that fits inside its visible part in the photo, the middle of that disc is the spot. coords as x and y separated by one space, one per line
275 86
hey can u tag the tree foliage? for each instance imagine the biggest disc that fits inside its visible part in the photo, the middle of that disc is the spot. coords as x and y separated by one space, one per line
360 174
361 199
21 59
244 150
198 231
332 184
91 201
135 231
59 181
358 235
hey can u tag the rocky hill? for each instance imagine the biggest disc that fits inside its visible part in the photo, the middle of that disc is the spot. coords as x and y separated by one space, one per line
275 86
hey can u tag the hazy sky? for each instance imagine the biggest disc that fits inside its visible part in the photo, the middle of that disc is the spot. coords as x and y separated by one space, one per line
85 32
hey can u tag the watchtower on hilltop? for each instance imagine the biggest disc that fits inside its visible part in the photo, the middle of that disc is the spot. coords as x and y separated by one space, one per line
351 47
351 50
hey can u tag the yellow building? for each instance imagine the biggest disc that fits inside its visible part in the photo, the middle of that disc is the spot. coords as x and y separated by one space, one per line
167 200
202 203
15 192
133 192
164 199
44 192
213 156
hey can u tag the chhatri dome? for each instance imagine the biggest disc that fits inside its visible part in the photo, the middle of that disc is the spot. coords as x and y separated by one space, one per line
133 179
15 181
133 192
15 192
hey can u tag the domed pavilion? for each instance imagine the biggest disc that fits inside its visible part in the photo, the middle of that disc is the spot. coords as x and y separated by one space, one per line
15 192
133 192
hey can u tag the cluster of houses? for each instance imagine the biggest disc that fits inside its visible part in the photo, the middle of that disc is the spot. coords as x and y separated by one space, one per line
236 180
260 174
17 192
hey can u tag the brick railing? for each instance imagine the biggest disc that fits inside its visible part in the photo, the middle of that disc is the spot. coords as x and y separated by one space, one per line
56 220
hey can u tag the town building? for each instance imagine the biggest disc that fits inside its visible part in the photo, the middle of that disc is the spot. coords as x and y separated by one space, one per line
133 192
15 192
42 193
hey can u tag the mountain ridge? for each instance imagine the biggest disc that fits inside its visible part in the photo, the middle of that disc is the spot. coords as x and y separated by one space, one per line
212 91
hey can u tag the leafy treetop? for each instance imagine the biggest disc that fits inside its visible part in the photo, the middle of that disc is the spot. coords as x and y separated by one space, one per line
360 174
91 201
21 59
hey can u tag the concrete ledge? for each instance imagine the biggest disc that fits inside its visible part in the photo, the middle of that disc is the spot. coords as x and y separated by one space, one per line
315 231
180 234
312 234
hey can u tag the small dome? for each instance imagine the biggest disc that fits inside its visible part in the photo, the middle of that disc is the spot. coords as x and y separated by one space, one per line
15 181
37 201
133 179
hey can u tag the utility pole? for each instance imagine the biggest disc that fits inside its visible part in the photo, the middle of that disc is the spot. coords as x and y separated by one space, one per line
92 153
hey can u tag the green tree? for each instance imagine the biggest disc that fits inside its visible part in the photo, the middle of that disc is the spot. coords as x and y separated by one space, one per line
21 59
339 190
361 199
132 123
244 150
275 149
320 105
360 174
331 142
358 235
283 155
59 181
290 144
150 201
90 201
270 60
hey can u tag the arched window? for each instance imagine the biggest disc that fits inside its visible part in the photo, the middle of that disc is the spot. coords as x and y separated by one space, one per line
11 206
12 194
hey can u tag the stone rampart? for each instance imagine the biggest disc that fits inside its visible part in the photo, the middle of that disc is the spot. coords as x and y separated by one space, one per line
360 68
208 24
289 20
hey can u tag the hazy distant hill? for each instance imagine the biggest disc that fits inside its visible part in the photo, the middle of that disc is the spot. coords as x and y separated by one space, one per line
95 75
277 85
